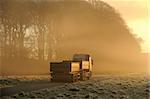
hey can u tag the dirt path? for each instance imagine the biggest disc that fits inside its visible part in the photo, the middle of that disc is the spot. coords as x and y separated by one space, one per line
31 86
27 87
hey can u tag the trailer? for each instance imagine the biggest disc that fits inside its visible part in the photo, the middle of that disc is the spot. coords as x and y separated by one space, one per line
65 71
79 68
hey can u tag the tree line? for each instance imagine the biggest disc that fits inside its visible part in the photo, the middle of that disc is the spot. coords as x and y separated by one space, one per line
28 29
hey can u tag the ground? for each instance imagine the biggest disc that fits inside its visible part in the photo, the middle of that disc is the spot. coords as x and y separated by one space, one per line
129 86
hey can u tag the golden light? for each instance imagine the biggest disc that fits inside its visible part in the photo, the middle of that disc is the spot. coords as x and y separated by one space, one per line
137 16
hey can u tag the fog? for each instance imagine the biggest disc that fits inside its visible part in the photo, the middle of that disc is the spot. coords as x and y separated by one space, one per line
33 33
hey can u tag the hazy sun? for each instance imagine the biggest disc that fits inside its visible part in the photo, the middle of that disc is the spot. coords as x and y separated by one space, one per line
142 29
137 16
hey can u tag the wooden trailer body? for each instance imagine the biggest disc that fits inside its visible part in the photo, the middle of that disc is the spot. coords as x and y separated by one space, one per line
65 71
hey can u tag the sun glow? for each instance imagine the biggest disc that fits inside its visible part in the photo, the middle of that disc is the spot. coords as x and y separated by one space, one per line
136 14
142 29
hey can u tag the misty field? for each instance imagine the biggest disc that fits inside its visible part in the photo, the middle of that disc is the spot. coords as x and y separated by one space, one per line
99 87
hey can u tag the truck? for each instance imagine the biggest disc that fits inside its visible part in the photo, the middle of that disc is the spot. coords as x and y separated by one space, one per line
77 69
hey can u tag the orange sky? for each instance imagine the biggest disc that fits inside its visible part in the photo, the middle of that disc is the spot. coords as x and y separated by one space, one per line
135 13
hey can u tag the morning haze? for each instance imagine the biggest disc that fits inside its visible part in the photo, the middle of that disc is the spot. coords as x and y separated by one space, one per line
35 32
